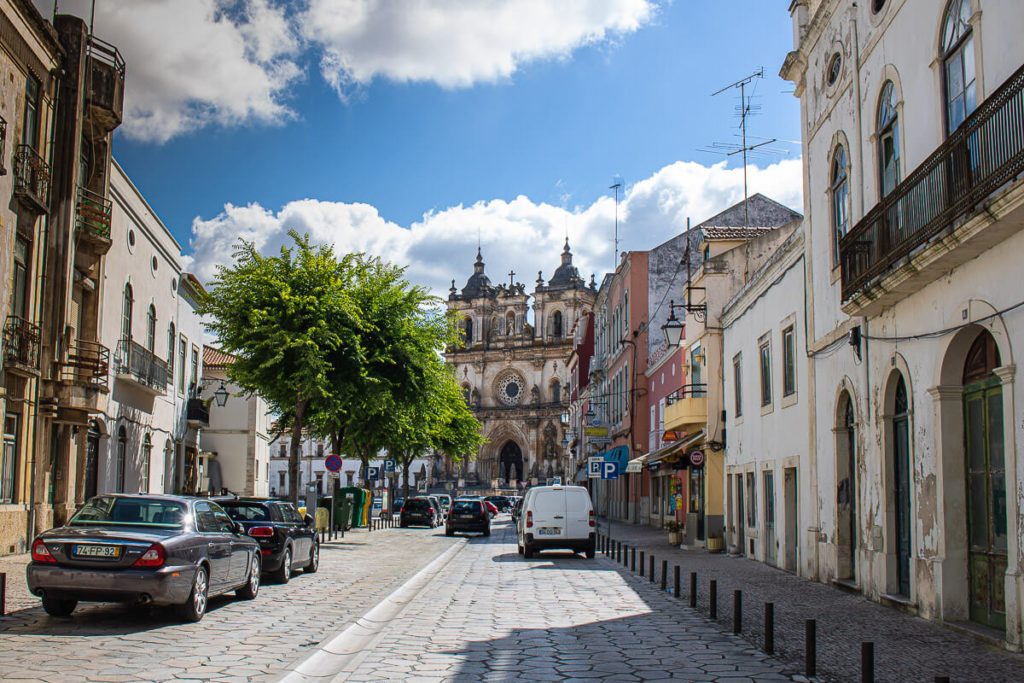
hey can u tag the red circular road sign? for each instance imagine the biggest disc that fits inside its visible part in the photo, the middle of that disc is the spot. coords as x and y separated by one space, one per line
333 463
697 458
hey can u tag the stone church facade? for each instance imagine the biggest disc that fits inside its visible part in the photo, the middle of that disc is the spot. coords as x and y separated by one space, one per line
513 372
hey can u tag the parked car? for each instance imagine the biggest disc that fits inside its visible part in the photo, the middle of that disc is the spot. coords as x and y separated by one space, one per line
468 515
438 509
287 540
557 517
491 509
501 502
516 507
419 510
446 503
148 549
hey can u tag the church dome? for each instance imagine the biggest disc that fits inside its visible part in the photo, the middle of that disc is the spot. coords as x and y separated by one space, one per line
478 283
566 275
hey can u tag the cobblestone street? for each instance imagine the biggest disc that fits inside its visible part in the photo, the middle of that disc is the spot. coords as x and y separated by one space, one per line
236 641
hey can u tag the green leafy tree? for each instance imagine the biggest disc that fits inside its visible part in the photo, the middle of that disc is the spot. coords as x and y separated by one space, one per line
293 325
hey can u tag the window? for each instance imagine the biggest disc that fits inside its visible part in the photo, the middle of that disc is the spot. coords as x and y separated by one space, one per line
151 329
765 354
126 314
835 67
319 450
737 384
839 193
877 6
182 350
147 453
888 140
958 63
280 478
556 392
284 451
9 459
30 131
122 459
556 325
469 330
20 281
171 336
788 361
751 501
193 383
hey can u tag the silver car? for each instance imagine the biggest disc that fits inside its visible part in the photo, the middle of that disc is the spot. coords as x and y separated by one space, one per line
148 549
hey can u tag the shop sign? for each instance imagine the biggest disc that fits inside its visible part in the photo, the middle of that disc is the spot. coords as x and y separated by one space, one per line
697 458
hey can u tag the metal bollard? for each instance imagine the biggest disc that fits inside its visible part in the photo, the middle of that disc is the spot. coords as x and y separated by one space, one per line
675 591
652 569
737 611
641 562
693 590
664 573
713 597
867 662
811 649
632 560
769 627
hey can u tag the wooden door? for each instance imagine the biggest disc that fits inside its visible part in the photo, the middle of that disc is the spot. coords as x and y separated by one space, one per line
901 488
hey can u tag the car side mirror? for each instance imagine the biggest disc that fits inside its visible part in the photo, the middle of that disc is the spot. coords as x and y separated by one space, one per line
308 519
239 529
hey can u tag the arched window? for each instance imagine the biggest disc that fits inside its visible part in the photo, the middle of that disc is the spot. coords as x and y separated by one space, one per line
171 338
556 324
151 328
126 314
839 192
122 460
556 392
958 63
888 139
469 330
467 393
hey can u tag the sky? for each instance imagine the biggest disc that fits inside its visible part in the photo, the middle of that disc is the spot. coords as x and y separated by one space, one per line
414 129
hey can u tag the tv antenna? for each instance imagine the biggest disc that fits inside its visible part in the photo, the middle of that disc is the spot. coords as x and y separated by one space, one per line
745 109
616 186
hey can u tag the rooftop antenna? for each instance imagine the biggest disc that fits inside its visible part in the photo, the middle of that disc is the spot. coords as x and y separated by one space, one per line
616 186
745 110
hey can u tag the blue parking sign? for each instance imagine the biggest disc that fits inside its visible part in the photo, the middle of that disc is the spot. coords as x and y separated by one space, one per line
389 465
610 469
372 473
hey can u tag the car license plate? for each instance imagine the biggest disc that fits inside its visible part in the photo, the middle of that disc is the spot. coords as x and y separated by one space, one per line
549 531
466 517
102 551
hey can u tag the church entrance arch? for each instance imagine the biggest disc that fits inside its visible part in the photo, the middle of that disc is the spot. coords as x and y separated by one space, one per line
510 461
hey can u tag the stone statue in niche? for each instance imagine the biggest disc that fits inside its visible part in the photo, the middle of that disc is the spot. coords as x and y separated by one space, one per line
535 394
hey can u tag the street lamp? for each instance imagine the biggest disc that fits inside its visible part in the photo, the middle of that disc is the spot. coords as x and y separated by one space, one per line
672 327
221 395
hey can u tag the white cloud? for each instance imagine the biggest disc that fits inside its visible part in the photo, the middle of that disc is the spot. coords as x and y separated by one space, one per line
457 44
518 234
193 63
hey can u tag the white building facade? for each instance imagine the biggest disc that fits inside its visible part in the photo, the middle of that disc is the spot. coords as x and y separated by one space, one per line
914 205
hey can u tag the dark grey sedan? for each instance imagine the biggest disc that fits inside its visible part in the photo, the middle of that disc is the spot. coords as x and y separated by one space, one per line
149 549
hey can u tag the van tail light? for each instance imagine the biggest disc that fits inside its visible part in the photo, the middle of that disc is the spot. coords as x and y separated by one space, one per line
529 519
40 553
261 532
153 557
592 522
402 511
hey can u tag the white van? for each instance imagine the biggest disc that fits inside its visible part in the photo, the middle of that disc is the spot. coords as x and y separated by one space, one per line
556 517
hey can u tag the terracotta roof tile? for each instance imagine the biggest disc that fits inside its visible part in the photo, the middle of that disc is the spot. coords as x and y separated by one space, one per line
215 358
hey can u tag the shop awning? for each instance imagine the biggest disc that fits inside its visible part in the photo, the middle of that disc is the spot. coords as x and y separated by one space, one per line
636 465
619 454
673 448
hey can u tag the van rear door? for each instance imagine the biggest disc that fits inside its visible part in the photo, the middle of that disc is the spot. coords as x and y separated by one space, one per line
577 507
549 513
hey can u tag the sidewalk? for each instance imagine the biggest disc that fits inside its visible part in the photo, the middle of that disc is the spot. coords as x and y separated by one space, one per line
18 596
907 648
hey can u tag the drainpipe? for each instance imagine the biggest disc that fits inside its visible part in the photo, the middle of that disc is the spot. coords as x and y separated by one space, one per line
857 107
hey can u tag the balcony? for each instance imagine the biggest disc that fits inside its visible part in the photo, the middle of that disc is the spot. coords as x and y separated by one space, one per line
197 413
31 180
105 84
687 407
945 212
84 380
92 220
133 363
21 346
597 364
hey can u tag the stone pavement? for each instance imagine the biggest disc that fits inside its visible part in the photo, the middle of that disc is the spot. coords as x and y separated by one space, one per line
491 615
236 641
907 648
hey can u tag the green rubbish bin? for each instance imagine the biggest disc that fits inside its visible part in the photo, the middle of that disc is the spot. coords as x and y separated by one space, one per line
355 498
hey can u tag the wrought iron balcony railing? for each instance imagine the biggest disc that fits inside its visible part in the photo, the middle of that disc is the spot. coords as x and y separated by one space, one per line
105 86
87 364
687 391
21 344
197 411
31 179
141 365
985 152
92 214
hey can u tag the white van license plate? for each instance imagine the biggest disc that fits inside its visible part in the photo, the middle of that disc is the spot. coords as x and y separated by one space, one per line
549 531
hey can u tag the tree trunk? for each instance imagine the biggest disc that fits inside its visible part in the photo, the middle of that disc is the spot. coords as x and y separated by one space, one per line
293 451
405 473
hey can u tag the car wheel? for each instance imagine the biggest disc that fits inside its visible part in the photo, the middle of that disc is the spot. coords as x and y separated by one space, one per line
285 572
487 531
591 551
448 532
194 608
527 552
520 549
59 607
403 525
252 585
314 560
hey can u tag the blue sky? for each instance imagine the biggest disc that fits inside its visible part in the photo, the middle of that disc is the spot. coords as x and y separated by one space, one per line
407 128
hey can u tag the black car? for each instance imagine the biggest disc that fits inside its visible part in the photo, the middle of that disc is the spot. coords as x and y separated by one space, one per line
468 515
420 511
396 507
144 549
287 541
501 502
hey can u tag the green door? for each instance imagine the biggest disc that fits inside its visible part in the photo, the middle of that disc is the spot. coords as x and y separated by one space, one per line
986 501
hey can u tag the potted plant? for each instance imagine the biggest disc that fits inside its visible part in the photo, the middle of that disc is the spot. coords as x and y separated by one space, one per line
715 542
675 532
